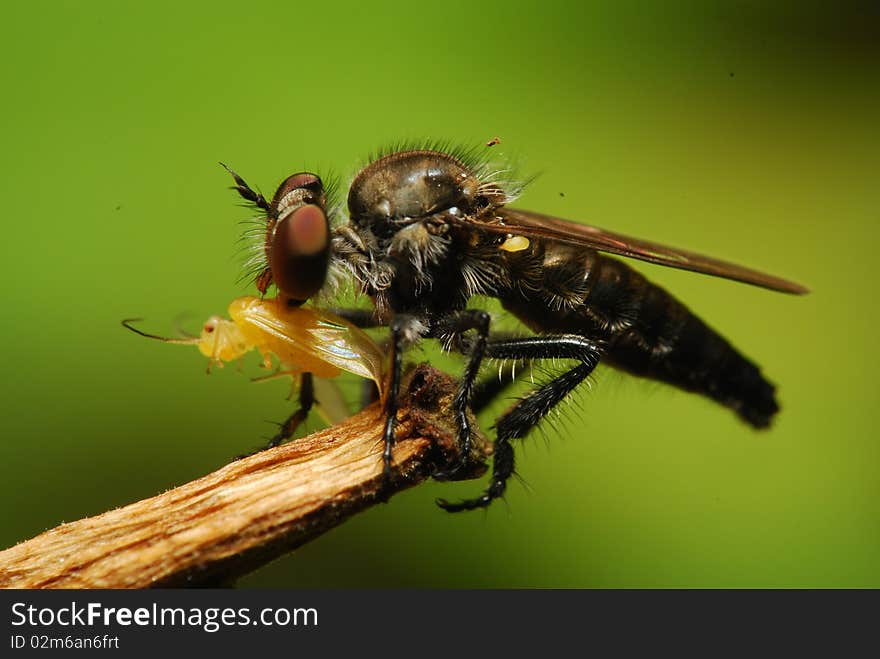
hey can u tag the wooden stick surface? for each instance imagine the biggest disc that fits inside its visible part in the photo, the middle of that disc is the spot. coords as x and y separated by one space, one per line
225 524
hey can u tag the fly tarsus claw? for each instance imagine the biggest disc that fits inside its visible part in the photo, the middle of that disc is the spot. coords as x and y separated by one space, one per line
461 471
467 504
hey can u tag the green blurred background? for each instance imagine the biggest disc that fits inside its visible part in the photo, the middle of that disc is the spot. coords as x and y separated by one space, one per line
744 131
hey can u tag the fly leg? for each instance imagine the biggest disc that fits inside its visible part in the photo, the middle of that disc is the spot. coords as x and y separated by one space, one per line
486 391
454 326
489 388
286 429
529 411
401 334
362 318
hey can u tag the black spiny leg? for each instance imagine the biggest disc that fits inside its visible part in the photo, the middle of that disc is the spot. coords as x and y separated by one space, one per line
529 411
487 390
455 325
286 429
363 318
398 328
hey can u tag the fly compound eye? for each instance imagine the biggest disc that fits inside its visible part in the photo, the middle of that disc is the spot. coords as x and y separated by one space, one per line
298 244
295 190
299 252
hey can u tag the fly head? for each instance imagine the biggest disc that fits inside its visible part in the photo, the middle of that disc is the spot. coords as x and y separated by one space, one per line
295 254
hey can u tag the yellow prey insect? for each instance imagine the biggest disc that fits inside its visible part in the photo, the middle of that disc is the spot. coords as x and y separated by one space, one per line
306 341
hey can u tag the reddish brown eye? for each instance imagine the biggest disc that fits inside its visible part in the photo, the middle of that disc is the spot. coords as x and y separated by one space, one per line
299 252
307 230
298 239
209 328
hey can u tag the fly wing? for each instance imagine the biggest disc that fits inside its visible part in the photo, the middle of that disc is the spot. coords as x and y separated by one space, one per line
545 227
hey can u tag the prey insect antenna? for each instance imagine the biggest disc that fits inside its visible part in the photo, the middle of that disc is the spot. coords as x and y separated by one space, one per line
127 324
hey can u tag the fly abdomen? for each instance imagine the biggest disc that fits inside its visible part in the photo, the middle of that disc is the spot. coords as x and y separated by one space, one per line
668 342
646 330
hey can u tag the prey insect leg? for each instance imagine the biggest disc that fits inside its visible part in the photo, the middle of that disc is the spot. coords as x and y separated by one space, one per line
529 411
306 400
286 429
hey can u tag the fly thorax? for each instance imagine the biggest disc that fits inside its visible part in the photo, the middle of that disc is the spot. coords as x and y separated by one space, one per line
410 184
492 263
408 204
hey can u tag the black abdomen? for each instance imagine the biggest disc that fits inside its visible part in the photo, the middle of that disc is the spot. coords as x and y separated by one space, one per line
647 331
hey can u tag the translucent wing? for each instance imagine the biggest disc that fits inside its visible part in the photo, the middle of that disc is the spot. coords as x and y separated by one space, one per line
307 339
545 227
330 402
348 347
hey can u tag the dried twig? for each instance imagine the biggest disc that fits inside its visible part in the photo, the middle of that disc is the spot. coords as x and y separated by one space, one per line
230 522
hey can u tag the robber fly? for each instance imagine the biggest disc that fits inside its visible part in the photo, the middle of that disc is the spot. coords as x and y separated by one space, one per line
308 342
429 228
